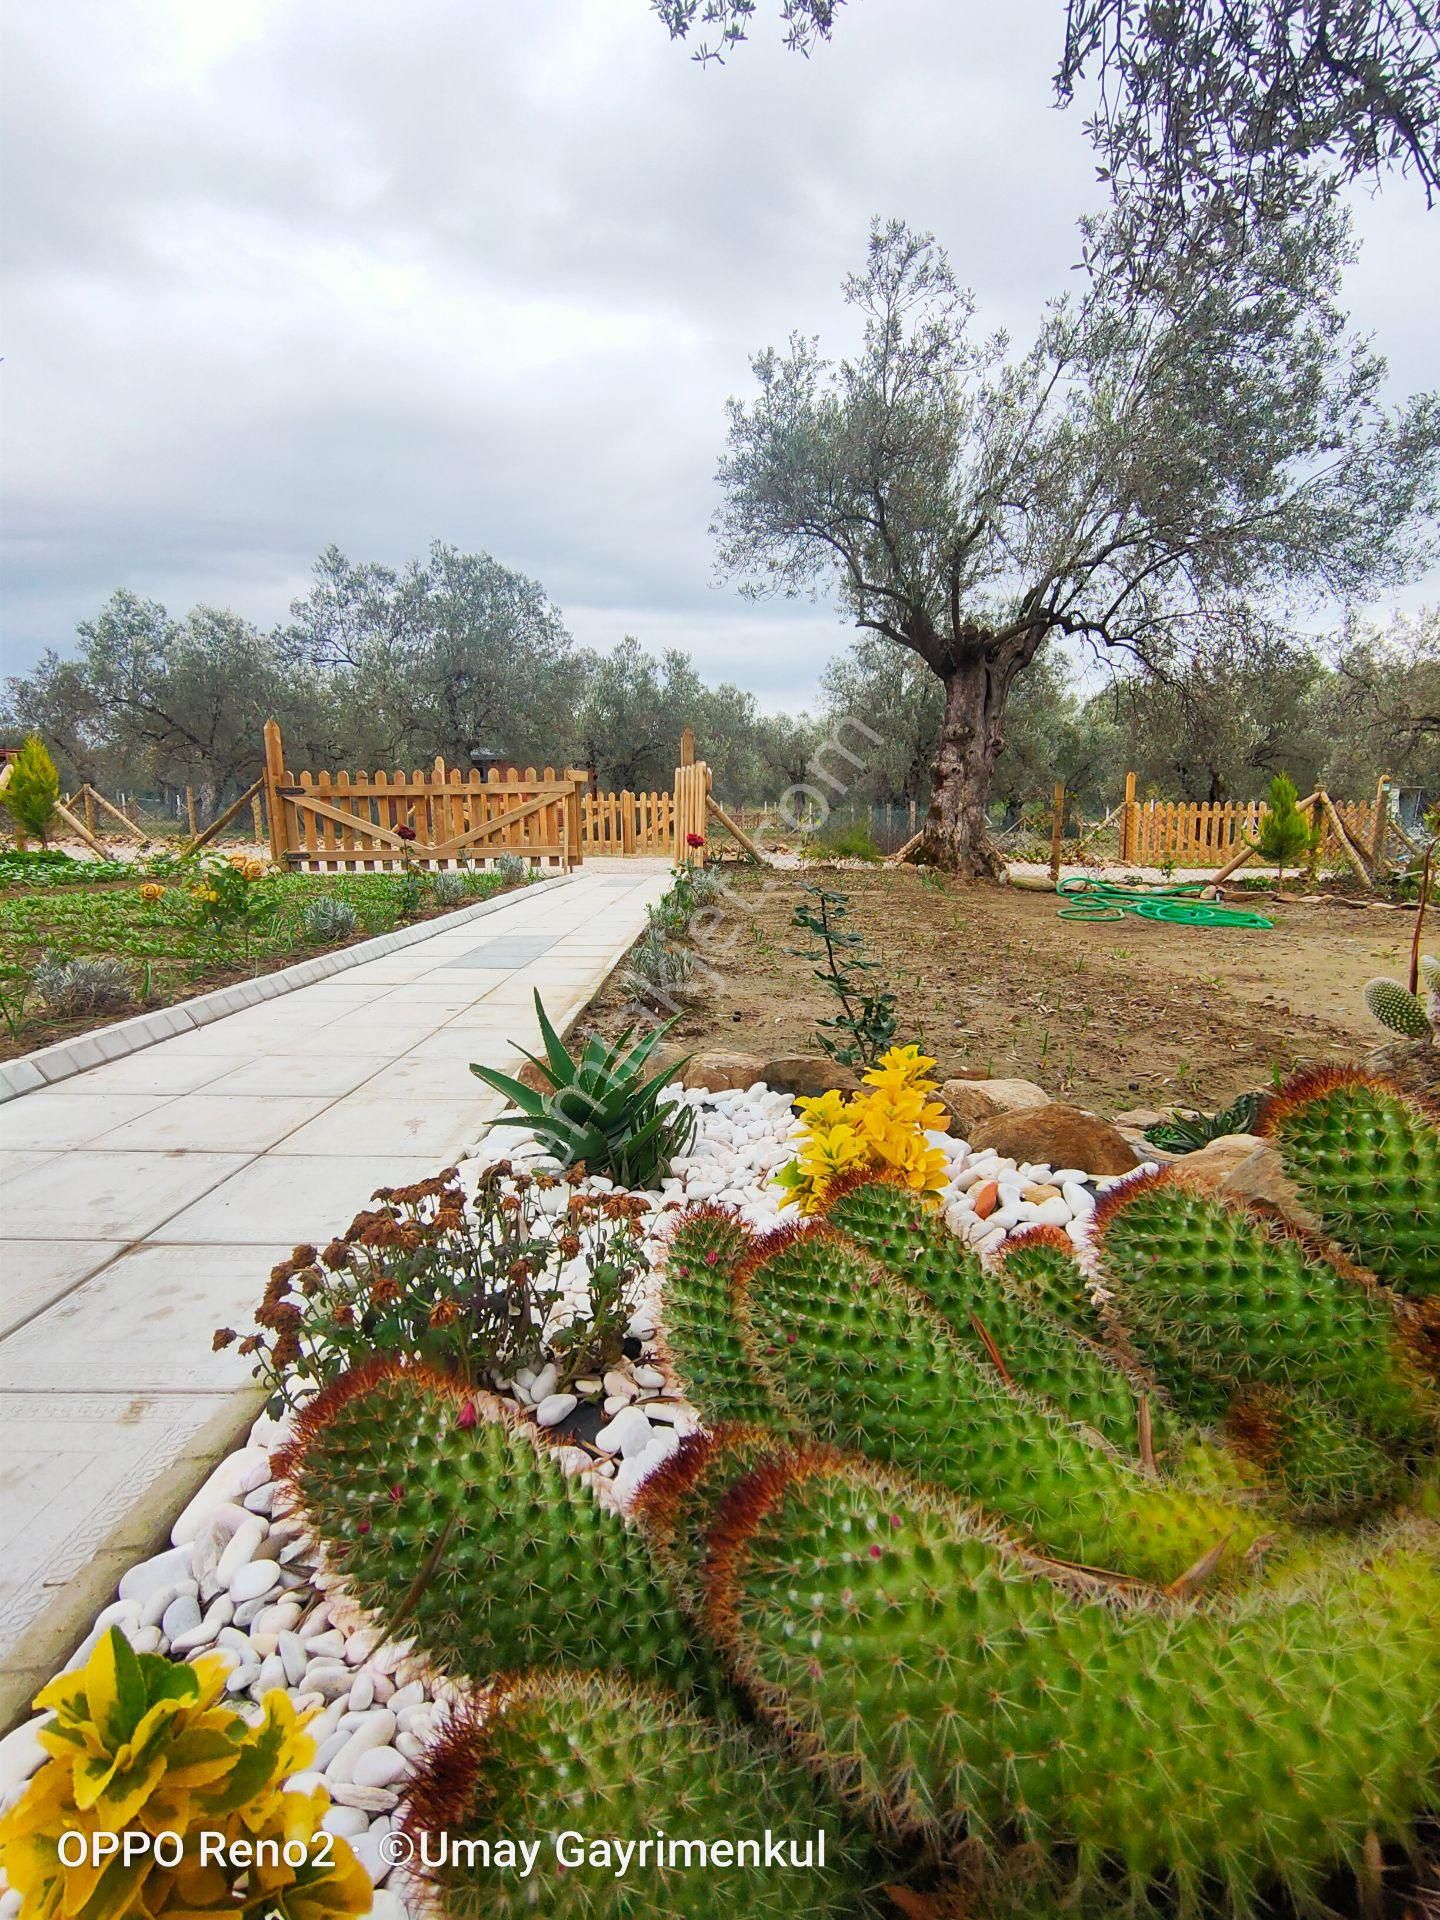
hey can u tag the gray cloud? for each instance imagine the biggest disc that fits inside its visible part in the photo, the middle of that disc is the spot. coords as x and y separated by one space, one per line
485 272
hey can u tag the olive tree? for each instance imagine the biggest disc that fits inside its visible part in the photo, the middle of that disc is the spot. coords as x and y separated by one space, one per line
1212 437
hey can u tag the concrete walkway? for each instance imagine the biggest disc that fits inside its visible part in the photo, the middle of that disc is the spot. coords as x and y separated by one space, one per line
142 1204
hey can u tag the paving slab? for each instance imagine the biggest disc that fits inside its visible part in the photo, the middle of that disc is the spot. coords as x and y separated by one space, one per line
144 1201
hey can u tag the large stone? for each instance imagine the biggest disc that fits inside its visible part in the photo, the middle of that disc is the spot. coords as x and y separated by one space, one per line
807 1074
720 1072
970 1101
1057 1135
1243 1167
666 1058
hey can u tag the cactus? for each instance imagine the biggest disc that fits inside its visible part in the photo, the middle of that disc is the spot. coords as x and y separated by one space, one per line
996 1324
864 1362
448 1521
1398 1009
1218 1300
1324 1463
1040 1267
934 1672
702 1340
1430 980
1365 1156
583 1762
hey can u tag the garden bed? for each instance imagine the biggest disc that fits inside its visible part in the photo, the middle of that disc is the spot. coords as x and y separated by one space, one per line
172 945
1110 1015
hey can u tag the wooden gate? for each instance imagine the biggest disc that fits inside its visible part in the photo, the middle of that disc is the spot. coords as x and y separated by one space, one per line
449 817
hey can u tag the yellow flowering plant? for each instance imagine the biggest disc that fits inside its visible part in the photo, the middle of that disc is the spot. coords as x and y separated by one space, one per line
881 1127
146 1747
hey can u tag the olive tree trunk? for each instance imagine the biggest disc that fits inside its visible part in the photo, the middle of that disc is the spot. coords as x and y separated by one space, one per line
971 736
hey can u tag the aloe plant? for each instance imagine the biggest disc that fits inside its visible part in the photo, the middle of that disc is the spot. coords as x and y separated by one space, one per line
600 1107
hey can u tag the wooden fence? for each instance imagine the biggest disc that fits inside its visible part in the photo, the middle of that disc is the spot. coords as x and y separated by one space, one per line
448 817
1196 833
625 823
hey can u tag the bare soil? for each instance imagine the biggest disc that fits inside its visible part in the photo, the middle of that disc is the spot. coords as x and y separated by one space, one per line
1111 1015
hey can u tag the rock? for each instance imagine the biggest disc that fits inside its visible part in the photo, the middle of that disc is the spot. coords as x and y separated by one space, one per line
1057 1135
649 1379
620 1385
665 1058
166 1569
219 1614
555 1407
1243 1167
232 1479
362 1694
240 1549
181 1615
1140 1117
380 1767
254 1580
348 1822
628 1433
722 1072
1039 1191
388 1906
971 1101
985 1198
21 1753
807 1074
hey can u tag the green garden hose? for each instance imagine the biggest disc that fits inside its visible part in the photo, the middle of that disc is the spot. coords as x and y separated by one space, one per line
1179 906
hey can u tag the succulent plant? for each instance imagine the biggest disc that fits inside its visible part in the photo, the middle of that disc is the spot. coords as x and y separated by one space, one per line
514 869
1395 1007
622 1788
600 1108
1365 1157
1016 1659
448 1522
449 889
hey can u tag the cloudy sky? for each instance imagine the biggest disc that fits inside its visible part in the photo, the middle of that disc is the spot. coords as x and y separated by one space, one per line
285 272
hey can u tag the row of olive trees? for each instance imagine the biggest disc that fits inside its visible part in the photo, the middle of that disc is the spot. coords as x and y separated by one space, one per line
377 666
1238 707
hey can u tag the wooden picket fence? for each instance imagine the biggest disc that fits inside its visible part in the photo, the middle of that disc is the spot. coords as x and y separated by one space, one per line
627 823
1196 833
346 822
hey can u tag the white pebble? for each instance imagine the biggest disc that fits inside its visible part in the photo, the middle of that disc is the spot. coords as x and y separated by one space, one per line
555 1407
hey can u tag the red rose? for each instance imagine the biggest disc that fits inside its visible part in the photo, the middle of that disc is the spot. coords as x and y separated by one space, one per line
404 833
694 839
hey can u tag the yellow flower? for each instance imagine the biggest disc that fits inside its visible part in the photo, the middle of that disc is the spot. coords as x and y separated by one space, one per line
823 1110
152 890
902 1067
254 869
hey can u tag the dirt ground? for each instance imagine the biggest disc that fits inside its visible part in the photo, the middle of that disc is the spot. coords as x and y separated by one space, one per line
1109 1014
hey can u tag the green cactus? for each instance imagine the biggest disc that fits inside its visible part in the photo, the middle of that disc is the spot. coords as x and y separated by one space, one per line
935 1673
702 1341
863 1362
450 1523
1218 1300
1398 1009
1365 1157
566 1760
1040 1266
1430 980
997 1324
1324 1463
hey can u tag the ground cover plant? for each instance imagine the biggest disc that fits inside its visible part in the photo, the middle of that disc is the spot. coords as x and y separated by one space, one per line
1065 1600
176 927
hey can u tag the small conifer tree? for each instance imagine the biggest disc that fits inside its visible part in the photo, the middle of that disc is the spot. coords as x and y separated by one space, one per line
32 791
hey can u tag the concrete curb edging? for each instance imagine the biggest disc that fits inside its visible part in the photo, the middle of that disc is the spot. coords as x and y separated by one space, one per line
68 1057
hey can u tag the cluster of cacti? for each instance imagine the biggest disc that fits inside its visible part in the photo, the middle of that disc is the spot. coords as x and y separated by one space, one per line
144 1751
1127 1571
1404 1012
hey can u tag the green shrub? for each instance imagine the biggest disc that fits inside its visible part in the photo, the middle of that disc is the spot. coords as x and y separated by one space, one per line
514 870
469 1287
1188 1132
852 842
327 921
68 988
600 1108
32 792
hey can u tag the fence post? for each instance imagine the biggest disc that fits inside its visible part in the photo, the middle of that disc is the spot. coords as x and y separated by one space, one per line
1378 864
1057 828
274 780
1128 821
190 811
89 812
627 822
687 748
